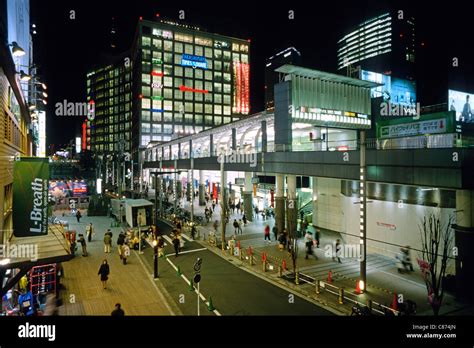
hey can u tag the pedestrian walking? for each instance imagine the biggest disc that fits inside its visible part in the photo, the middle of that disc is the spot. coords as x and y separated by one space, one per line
107 242
317 236
125 253
216 225
82 240
104 272
78 216
275 232
337 253
176 244
213 206
282 241
244 220
120 243
118 311
256 213
240 226
308 239
236 226
193 231
89 232
161 245
267 233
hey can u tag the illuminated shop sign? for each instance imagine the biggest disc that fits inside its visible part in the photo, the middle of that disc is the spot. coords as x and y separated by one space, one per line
157 73
156 85
194 61
326 117
183 88
241 72
157 110
156 61
414 128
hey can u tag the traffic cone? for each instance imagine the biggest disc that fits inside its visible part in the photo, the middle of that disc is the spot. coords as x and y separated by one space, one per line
191 287
329 280
358 291
210 307
283 265
394 304
178 271
238 244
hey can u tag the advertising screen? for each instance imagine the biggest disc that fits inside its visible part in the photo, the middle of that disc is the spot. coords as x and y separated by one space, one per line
460 102
67 188
397 91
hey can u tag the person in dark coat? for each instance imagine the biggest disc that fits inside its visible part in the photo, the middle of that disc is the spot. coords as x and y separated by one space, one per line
118 311
104 272
78 216
275 232
176 244
120 243
82 240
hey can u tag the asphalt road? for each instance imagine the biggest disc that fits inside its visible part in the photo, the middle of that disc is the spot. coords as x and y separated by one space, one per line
233 290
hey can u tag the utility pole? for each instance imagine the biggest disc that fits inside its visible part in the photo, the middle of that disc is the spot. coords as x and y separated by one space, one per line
363 213
223 206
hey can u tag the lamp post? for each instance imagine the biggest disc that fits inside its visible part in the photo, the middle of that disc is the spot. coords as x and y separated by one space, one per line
155 259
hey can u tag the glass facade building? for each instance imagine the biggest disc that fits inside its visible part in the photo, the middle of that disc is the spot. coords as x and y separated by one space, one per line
186 81
110 89
383 44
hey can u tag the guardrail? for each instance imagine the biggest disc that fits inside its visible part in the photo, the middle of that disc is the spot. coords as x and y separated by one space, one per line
271 264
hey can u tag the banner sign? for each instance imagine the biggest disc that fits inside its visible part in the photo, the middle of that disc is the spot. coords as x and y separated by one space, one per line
414 128
30 196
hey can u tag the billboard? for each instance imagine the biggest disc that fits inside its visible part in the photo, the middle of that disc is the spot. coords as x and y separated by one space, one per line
414 128
460 102
395 90
30 196
67 188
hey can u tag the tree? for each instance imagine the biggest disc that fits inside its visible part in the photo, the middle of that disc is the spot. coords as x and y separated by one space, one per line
436 243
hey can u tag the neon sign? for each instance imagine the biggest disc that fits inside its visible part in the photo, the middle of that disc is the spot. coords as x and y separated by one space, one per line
157 110
194 90
157 97
156 61
157 73
194 61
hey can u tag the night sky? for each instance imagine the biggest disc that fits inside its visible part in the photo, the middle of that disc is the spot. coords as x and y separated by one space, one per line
65 49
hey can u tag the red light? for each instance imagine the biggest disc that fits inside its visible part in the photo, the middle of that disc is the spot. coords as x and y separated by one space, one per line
401 35
248 40
91 102
141 18
183 88
157 14
157 73
140 96
422 44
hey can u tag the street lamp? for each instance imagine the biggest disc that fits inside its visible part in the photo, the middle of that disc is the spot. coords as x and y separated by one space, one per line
155 259
24 76
17 51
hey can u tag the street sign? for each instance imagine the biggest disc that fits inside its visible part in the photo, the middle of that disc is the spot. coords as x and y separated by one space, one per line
197 278
197 264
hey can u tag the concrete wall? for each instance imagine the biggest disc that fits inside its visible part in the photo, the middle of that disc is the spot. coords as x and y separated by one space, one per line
328 205
389 223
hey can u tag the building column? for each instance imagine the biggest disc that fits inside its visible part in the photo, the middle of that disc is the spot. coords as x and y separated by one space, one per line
211 145
464 241
202 198
314 185
280 202
248 193
264 136
234 139
292 205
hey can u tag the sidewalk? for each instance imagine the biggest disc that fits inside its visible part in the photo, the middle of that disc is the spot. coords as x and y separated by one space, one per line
130 284
383 279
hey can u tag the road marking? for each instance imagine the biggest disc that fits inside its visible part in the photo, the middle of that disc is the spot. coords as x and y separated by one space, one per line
168 239
215 311
186 237
154 284
407 280
187 251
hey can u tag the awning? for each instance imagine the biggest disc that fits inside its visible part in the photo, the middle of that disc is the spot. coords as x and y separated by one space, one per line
27 252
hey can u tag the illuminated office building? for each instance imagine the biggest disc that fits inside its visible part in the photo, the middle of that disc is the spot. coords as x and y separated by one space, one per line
185 81
383 44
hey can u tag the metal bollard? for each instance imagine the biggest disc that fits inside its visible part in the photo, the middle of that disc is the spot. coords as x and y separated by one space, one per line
297 280
241 255
369 305
264 266
318 287
231 250
280 271
341 295
251 259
